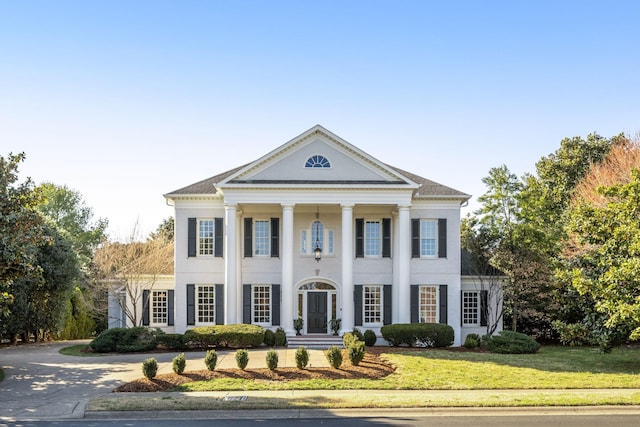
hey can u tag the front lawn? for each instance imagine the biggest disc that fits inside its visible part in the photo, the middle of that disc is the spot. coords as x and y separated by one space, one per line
553 367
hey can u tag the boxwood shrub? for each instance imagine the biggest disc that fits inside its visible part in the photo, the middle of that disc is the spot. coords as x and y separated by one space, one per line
124 340
418 334
225 336
509 342
171 341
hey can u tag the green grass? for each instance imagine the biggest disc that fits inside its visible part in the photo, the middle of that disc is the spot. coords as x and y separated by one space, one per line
78 350
551 368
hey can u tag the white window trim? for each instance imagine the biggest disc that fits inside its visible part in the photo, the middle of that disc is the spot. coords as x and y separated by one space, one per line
152 299
213 238
255 237
197 303
435 222
477 323
380 309
307 246
253 305
364 242
437 299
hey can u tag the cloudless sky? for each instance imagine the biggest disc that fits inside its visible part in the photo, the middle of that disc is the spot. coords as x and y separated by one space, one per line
124 101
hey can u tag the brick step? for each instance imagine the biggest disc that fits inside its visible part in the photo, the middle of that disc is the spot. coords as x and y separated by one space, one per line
314 341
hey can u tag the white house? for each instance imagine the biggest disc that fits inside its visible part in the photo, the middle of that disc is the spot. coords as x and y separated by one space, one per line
317 229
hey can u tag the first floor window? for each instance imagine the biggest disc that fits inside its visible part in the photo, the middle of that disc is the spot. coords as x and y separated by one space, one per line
372 304
206 299
261 238
470 308
428 304
372 239
205 236
159 307
262 304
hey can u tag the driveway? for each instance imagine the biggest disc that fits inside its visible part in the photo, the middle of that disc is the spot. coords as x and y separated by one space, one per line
40 383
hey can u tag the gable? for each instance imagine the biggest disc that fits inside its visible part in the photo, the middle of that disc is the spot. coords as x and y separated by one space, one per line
317 157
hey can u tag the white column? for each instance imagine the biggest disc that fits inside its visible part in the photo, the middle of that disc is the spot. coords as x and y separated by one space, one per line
347 268
286 288
230 265
396 307
404 263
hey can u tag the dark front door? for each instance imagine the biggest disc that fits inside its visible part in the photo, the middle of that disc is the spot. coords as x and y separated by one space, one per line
317 312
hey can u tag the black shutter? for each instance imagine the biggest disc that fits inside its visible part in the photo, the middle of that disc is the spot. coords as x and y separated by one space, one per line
415 238
191 304
443 304
170 309
246 304
386 237
275 237
275 305
218 239
442 238
359 237
357 305
386 300
145 308
219 304
248 237
191 237
414 303
484 295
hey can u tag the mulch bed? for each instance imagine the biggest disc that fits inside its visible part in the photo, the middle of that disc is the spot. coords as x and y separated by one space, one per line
372 367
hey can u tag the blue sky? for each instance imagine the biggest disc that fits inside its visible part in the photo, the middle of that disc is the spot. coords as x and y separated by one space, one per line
124 101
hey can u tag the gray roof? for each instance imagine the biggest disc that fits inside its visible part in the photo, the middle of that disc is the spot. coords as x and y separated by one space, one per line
427 187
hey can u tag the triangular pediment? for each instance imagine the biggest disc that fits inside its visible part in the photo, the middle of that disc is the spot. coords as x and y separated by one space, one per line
317 157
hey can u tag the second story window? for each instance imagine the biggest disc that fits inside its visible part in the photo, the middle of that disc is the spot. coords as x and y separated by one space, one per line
205 236
317 234
261 238
372 239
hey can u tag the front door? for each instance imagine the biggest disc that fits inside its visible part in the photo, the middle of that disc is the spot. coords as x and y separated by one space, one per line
317 312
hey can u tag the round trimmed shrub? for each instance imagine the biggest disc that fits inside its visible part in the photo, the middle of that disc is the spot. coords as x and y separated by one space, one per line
281 338
302 357
242 358
272 359
356 353
269 338
370 338
349 339
150 368
179 363
211 359
509 342
334 356
471 341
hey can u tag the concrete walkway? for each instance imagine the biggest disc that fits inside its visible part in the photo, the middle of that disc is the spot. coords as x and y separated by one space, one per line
40 383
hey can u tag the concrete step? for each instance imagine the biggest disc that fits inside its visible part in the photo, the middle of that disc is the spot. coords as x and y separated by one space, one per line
321 342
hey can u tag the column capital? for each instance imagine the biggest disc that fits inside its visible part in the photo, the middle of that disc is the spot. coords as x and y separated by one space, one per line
288 205
403 207
347 205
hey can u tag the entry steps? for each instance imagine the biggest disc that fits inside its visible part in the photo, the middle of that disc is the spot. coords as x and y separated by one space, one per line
318 342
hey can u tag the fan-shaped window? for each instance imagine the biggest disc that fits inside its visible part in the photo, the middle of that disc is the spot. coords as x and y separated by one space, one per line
317 161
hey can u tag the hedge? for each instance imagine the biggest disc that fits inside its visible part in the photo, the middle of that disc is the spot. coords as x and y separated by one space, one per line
124 340
224 336
418 334
509 342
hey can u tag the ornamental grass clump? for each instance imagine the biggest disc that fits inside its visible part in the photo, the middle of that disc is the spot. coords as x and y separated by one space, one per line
334 356
242 358
179 363
211 360
150 368
272 359
302 357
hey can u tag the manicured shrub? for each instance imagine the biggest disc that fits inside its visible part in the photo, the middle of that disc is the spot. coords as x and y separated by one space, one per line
242 358
356 353
269 338
150 368
170 341
349 339
334 356
179 363
358 333
509 342
124 340
225 336
211 360
272 359
370 338
471 341
418 334
280 338
302 357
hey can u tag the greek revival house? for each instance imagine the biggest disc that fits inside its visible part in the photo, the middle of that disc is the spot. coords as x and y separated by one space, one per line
317 229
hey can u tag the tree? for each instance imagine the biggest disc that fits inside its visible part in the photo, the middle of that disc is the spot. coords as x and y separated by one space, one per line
131 268
165 231
20 228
